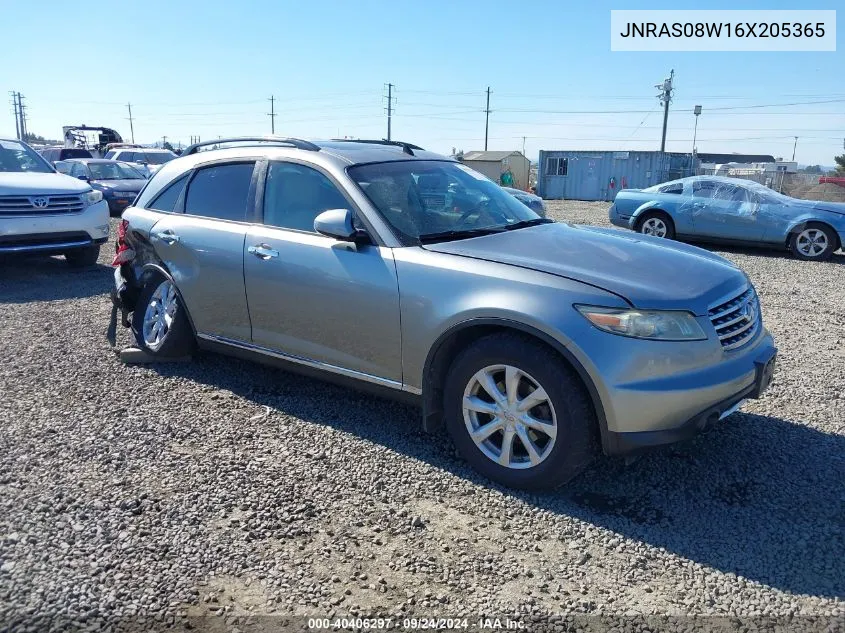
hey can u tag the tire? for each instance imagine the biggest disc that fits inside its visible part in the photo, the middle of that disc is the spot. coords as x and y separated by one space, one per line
567 407
813 242
83 257
657 223
173 336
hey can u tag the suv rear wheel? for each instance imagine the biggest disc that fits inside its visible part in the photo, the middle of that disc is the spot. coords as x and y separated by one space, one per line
160 322
518 414
83 257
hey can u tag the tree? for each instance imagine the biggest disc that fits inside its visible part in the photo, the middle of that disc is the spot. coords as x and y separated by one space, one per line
29 137
167 145
812 169
840 163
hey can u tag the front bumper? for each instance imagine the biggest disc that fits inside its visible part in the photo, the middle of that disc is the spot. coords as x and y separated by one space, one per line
617 219
54 233
665 410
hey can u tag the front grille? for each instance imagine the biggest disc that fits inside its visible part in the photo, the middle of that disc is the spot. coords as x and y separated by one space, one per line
40 205
736 321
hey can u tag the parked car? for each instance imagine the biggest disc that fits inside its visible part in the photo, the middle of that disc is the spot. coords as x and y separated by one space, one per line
532 342
119 182
718 209
533 202
55 154
147 160
43 212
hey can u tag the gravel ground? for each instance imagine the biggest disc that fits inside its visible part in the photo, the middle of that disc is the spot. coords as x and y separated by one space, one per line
216 493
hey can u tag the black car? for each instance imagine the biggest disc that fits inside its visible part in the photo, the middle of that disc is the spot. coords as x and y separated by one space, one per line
119 182
55 154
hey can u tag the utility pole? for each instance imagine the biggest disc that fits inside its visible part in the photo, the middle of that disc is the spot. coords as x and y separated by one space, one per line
487 119
665 97
272 114
131 126
389 110
17 118
795 145
163 141
22 114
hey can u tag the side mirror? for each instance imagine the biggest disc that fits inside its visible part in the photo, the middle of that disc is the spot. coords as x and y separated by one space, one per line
337 223
83 177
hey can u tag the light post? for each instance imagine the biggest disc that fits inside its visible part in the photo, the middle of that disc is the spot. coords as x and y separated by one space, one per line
696 111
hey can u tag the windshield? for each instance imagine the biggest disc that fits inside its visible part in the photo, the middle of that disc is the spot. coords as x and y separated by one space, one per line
114 171
17 157
439 200
159 158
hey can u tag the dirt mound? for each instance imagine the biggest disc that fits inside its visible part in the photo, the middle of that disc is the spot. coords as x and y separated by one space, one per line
827 192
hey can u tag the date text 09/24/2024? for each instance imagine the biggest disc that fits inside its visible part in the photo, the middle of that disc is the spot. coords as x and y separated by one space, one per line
415 624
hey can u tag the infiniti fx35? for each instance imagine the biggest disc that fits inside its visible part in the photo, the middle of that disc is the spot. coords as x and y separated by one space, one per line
534 344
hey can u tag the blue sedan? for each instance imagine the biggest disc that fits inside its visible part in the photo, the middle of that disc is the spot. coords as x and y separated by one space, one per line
119 182
731 210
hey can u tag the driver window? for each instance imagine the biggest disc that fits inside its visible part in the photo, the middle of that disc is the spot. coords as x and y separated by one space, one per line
295 195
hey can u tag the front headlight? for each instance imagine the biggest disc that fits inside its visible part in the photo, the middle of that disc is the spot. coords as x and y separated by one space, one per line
661 325
92 197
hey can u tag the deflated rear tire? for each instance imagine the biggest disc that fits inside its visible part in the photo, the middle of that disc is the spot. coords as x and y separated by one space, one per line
518 414
160 321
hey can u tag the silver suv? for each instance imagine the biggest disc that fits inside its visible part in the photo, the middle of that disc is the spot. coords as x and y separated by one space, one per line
534 343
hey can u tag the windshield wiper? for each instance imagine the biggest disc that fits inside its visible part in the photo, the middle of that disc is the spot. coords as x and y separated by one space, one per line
459 235
525 223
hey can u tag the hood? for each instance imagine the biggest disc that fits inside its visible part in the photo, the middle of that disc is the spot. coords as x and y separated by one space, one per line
33 183
817 205
129 184
649 272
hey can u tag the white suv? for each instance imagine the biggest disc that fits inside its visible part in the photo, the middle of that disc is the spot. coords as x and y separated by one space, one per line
147 160
44 212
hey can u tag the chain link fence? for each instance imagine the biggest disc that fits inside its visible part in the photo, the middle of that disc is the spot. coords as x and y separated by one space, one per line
803 186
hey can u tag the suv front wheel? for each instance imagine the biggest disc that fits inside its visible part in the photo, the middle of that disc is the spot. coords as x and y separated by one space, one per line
518 414
160 322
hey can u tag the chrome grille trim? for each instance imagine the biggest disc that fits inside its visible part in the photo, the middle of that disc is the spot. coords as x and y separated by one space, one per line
737 320
25 205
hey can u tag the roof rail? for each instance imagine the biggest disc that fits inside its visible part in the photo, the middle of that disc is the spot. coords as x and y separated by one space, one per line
406 147
258 140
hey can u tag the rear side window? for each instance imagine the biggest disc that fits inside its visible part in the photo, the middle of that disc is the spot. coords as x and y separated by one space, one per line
166 200
109 155
677 188
220 192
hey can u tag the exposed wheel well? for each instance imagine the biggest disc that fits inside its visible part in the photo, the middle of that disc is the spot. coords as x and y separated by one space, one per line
642 216
460 337
800 227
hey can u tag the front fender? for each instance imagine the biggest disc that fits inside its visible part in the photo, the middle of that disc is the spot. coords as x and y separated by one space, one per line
798 224
648 206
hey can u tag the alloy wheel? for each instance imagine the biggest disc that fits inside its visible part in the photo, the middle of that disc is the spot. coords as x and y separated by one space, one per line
159 315
509 416
812 242
654 226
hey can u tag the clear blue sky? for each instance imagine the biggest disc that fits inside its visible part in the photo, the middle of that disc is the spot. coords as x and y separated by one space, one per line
208 68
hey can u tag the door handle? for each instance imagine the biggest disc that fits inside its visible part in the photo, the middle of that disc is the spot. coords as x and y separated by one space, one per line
262 251
167 236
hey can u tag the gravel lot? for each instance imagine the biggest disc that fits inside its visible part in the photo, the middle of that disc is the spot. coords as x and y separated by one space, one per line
221 491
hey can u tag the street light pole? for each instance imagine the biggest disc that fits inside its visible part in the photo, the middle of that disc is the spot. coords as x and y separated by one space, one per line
793 149
696 111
